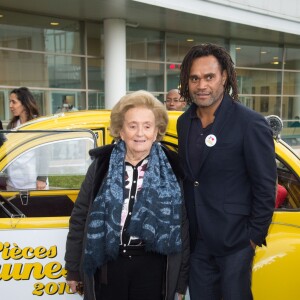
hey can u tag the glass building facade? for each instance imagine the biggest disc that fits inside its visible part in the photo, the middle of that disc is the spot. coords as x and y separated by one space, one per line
67 62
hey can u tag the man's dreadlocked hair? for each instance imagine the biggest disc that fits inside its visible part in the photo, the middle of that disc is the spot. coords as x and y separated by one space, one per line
224 60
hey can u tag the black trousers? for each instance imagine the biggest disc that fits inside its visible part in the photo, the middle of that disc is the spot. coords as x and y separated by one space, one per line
215 278
135 277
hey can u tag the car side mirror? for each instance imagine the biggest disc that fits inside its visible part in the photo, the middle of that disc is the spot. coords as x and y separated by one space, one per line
276 125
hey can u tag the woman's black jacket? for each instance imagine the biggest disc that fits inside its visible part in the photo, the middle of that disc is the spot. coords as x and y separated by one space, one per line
177 264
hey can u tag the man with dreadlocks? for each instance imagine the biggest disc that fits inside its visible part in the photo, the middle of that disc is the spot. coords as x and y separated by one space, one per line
227 152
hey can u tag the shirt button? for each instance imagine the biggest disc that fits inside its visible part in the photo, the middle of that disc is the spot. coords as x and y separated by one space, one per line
196 183
124 251
132 197
129 213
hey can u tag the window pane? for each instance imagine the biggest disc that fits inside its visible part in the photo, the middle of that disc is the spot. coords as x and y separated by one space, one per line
159 96
291 108
96 73
144 44
291 83
259 82
179 44
96 100
67 101
258 56
28 32
65 71
95 39
33 69
266 105
173 76
23 69
41 102
292 58
146 76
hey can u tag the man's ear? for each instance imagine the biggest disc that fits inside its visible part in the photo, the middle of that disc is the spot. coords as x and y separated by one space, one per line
224 77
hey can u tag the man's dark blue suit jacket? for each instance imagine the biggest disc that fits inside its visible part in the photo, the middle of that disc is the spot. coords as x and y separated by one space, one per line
235 198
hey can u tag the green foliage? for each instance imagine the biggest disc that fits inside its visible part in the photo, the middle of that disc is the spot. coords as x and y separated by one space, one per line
65 181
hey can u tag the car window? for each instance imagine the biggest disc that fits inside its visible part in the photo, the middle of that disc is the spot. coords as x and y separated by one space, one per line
61 161
41 172
290 182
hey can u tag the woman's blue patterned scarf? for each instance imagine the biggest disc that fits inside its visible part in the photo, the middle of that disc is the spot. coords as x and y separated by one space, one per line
156 216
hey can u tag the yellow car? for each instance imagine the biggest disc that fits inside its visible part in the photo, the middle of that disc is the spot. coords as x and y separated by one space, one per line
34 223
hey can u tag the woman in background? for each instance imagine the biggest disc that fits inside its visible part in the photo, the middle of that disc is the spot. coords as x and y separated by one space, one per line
23 107
23 173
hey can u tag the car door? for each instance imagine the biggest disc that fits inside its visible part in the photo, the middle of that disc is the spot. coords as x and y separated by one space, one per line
276 266
34 223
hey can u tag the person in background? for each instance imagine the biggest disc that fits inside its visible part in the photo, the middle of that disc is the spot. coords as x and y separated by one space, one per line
174 101
23 173
66 106
128 236
281 195
23 107
227 152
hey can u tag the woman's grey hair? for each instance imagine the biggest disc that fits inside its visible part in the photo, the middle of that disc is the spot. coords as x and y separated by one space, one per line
138 99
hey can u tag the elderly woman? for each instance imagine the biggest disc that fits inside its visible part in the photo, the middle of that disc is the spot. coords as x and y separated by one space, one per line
128 237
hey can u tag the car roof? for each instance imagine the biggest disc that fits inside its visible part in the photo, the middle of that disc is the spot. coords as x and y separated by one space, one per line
88 119
99 120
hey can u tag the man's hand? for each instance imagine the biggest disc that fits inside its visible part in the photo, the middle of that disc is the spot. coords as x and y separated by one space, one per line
72 284
253 244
